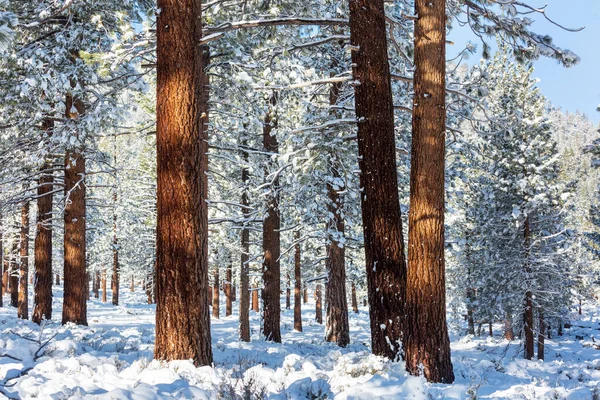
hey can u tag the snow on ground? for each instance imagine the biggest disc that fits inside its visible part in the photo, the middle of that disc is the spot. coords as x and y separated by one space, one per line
112 359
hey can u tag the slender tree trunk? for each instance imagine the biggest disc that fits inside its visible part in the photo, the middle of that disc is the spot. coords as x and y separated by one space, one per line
74 303
255 306
305 300
228 299
245 258
297 283
14 275
580 307
182 312
559 331
354 299
528 313
470 303
104 299
215 302
271 241
382 223
23 306
288 293
132 285
115 279
541 335
2 276
490 327
4 260
318 304
57 280
426 343
233 291
97 284
509 333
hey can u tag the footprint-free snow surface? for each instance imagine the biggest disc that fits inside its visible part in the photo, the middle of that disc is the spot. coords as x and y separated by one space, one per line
112 359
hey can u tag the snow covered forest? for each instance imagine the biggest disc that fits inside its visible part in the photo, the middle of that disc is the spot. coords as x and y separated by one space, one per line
274 199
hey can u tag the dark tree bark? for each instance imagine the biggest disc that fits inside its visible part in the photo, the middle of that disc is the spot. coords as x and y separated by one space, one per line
14 275
255 305
245 259
182 312
490 328
470 320
382 224
104 299
215 293
297 284
233 291
288 293
57 280
228 298
115 283
74 302
5 264
305 296
97 284
426 343
271 241
23 306
318 304
579 307
528 313
354 299
541 335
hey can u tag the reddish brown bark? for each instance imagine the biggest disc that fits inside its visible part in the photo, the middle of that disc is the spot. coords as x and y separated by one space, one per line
244 262
4 260
541 334
228 294
2 276
271 242
215 293
318 304
13 273
382 223
23 306
336 322
104 299
426 345
255 305
297 283
74 303
182 312
354 299
305 296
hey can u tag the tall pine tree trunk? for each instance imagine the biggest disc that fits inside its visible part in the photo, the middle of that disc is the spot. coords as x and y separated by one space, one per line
23 306
215 293
104 299
245 264
528 313
354 299
2 277
14 275
382 224
318 304
115 279
288 292
74 302
228 297
426 343
297 283
271 240
97 284
305 295
255 305
182 312
541 334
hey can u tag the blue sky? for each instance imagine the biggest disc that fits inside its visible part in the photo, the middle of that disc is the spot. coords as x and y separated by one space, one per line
572 89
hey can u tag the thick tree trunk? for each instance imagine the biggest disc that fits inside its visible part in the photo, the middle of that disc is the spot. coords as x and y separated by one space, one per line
182 312
297 284
354 299
104 299
271 241
541 335
305 300
318 304
74 302
528 313
255 306
382 223
23 306
228 298
426 343
14 275
215 293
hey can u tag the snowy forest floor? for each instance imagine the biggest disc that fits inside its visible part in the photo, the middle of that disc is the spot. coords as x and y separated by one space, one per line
112 359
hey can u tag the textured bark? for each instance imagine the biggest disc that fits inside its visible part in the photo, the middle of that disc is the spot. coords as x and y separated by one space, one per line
579 307
427 345
104 299
354 299
271 242
255 306
97 284
528 313
57 280
14 275
233 291
297 284
74 302
228 297
490 328
541 335
115 278
244 262
382 224
182 312
215 293
288 293
5 264
23 306
470 320
318 305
